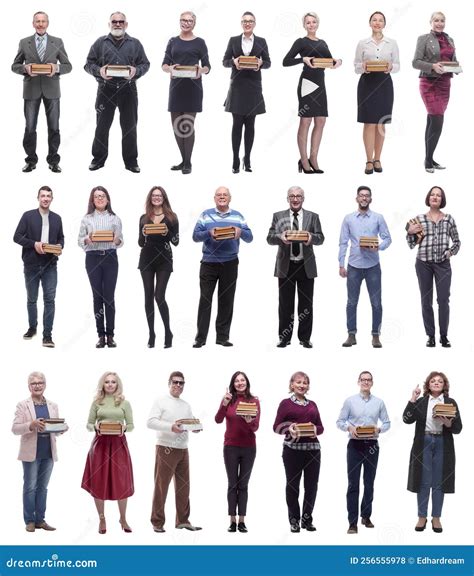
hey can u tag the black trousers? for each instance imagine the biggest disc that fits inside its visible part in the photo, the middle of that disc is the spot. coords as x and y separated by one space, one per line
441 273
102 270
211 273
297 463
238 462
295 280
361 453
31 109
110 96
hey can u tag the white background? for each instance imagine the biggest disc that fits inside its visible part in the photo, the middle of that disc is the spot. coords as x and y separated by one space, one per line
73 368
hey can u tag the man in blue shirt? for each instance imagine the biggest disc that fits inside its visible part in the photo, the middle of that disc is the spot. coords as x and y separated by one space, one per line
219 264
362 410
364 262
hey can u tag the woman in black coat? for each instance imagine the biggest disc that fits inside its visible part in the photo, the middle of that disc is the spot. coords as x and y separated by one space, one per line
156 259
432 457
245 98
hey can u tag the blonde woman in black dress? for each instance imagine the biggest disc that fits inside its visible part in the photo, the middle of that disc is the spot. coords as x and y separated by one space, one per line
156 259
312 100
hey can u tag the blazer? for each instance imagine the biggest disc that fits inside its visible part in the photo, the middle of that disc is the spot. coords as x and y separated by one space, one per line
24 415
245 93
416 412
28 232
281 222
35 87
427 53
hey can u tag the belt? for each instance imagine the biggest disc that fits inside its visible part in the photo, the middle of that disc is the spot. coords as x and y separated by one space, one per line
102 252
433 433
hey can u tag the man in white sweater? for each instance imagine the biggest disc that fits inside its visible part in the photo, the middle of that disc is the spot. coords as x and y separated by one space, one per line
172 458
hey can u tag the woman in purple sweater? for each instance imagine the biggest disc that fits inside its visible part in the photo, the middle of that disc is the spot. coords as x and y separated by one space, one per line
301 453
239 445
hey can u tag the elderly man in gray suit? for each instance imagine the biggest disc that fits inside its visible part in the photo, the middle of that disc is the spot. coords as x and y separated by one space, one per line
295 231
41 48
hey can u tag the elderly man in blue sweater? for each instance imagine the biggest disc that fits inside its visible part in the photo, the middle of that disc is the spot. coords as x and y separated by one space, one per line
220 230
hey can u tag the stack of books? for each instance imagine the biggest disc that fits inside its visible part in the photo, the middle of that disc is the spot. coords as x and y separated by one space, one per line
306 429
447 410
55 425
102 236
452 66
376 66
41 69
246 409
368 242
118 71
184 72
160 228
419 235
190 424
248 62
110 427
53 249
322 62
297 235
366 431
224 233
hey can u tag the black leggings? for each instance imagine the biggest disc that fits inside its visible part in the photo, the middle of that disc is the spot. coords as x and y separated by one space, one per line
239 121
183 128
156 292
434 127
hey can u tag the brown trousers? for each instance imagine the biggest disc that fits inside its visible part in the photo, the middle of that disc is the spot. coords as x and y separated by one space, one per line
171 463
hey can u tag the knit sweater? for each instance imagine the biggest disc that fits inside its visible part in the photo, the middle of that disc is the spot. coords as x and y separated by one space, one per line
109 411
164 413
238 431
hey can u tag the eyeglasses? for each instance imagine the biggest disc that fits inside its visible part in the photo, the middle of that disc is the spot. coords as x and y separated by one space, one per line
366 379
247 21
100 197
178 382
114 22
36 384
184 21
295 197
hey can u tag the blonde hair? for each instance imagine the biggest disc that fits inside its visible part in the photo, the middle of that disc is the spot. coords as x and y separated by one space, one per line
313 15
433 16
297 375
118 394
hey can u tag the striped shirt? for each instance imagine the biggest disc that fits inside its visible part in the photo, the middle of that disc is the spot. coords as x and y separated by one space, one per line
100 221
434 246
220 250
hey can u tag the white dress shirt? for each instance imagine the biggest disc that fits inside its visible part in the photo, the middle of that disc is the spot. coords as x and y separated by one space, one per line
369 49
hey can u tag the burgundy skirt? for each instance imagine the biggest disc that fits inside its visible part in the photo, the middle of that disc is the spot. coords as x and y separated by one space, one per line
108 474
435 93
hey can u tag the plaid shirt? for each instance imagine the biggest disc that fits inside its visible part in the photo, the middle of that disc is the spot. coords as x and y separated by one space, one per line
434 247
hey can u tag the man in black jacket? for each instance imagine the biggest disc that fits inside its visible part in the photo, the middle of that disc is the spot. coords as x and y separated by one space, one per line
35 229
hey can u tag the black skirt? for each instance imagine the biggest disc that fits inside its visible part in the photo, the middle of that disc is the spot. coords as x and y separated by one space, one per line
375 98
312 99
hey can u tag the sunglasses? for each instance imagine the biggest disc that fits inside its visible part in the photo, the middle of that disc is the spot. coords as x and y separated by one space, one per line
178 382
117 22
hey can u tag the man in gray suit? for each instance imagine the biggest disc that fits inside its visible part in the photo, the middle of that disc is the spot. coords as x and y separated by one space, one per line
295 266
41 48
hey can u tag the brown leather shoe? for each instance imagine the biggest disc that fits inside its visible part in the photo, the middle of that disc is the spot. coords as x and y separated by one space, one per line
45 526
367 522
30 527
352 529
376 341
351 341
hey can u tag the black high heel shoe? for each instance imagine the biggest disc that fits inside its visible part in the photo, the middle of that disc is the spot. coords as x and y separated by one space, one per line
315 170
246 164
301 168
151 341
236 166
168 339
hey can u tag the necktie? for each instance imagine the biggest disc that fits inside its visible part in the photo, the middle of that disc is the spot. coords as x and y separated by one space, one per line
41 48
295 246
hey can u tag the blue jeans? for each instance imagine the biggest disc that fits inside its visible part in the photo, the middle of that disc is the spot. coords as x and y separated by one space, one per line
373 281
31 109
361 453
48 277
36 477
432 477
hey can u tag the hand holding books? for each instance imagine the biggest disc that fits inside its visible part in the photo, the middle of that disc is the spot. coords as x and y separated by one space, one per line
302 430
225 233
369 242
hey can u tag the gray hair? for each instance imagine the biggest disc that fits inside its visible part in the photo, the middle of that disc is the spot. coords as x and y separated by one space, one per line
118 12
38 375
189 12
295 189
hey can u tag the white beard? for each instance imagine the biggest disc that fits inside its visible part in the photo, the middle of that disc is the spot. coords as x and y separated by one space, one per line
117 32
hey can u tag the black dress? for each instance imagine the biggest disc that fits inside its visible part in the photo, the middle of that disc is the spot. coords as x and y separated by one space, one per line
156 254
312 99
245 95
186 93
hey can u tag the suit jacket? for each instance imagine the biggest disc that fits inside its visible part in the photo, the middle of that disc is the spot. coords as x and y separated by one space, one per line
282 222
35 87
427 53
245 93
28 232
24 415
416 412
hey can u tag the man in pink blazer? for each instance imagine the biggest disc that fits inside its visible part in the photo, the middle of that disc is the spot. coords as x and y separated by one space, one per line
37 450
